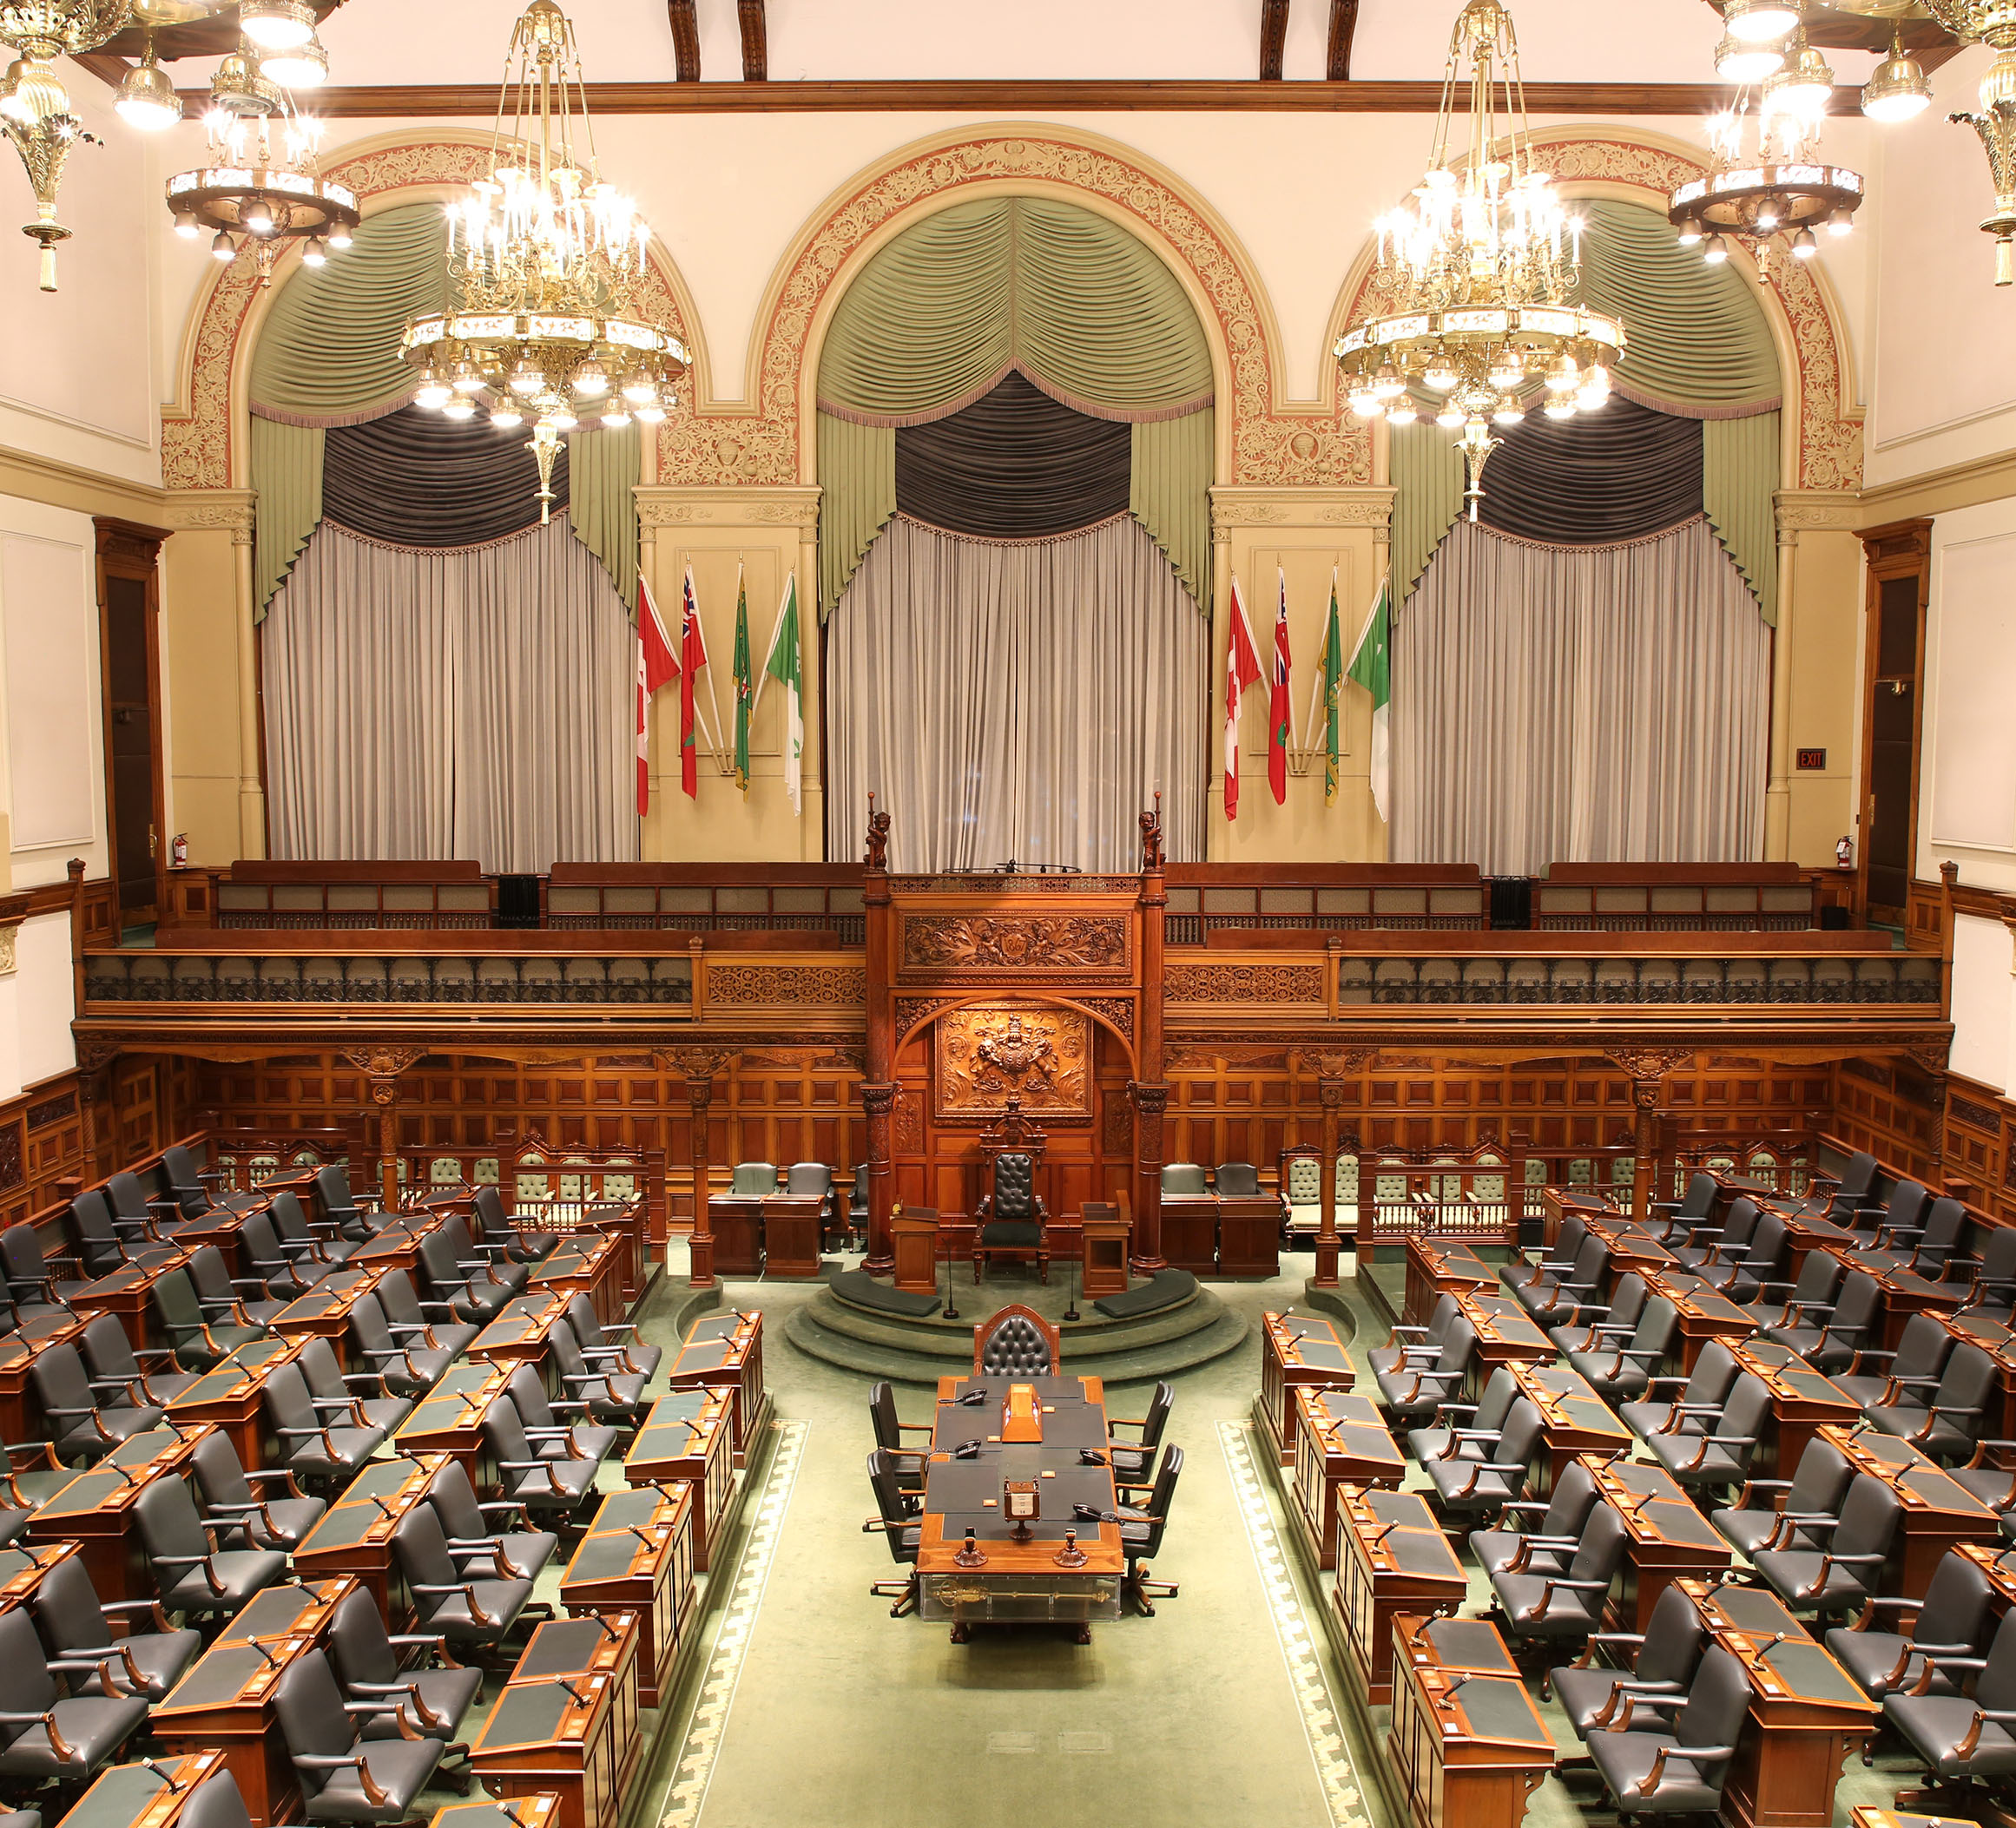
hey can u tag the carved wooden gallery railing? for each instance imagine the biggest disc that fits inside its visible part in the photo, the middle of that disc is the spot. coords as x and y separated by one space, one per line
505 971
1207 899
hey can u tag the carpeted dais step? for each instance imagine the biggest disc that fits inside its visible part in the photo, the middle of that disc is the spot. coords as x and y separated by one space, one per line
859 1289
1164 1289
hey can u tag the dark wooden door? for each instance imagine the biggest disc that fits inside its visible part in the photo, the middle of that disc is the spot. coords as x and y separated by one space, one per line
129 647
1893 675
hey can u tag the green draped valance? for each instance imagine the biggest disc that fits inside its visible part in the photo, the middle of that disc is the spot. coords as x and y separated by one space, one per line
328 354
1090 314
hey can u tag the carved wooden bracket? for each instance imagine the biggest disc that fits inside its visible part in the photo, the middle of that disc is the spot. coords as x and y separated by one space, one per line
1329 1068
1649 1065
382 1063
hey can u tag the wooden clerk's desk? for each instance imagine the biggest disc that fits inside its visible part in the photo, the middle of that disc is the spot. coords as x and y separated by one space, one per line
688 1439
449 1420
97 1508
1939 1513
1468 1743
353 1537
151 1794
1295 1350
1341 1441
598 1644
1805 1712
725 1351
1704 1314
226 1701
554 1734
638 1557
1391 1558
232 1397
1574 1420
737 1222
1802 1401
1505 1335
18 1352
1435 1270
324 1312
1232 1236
1669 1537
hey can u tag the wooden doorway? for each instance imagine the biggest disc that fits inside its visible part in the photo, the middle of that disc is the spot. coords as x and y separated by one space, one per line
1900 581
129 674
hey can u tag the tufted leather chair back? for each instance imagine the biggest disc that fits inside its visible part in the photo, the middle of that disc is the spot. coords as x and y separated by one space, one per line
1016 1348
1014 1187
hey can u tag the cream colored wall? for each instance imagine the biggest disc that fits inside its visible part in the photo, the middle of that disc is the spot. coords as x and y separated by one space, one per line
200 612
1821 646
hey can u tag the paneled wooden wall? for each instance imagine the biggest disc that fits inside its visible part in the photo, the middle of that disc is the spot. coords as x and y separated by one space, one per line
139 1107
1885 1106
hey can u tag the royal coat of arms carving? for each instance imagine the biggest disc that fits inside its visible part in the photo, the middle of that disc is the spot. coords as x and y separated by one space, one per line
988 1055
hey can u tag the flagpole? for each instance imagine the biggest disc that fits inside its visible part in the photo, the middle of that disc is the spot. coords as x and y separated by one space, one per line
776 628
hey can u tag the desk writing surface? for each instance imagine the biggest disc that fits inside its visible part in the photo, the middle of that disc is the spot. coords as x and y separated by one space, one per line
721 1326
114 1483
1471 1644
543 1713
1873 1445
1755 1611
278 1612
528 1812
967 1493
356 1516
1494 1708
123 1793
610 1555
1071 1420
571 1648
459 1400
1809 1673
223 1674
334 1295
1351 1426
1310 1344
680 1423
1675 1520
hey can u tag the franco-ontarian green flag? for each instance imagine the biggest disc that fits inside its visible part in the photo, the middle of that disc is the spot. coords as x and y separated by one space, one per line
785 664
1332 674
1370 669
745 685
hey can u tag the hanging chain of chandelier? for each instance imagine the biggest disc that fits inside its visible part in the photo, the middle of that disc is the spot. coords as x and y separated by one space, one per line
1479 269
259 187
547 272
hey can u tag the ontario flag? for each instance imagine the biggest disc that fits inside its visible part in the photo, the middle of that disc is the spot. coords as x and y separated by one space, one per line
1242 670
692 658
656 666
1277 703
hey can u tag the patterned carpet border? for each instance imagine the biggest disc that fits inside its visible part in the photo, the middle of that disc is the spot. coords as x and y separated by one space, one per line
1299 1641
687 1792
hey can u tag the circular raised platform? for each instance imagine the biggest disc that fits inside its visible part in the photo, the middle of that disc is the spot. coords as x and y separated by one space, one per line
856 1328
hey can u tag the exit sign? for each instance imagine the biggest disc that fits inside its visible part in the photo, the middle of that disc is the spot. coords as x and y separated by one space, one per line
1813 758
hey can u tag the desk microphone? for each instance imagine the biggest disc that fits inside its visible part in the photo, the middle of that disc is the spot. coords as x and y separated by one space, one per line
1759 1652
271 1661
382 1506
1090 1457
642 1535
967 1450
608 1631
125 1473
580 1699
173 1788
511 1813
1384 1533
974 1397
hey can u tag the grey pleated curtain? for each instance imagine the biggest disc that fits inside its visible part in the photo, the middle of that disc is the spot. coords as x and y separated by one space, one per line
449 703
1587 703
1017 700
1073 302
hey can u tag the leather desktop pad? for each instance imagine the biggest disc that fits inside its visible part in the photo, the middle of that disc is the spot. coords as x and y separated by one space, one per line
957 1489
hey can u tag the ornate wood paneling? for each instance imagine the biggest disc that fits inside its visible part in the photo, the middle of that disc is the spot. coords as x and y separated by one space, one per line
1885 1107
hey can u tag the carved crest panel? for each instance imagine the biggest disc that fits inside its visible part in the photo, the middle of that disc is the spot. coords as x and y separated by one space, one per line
988 944
986 1055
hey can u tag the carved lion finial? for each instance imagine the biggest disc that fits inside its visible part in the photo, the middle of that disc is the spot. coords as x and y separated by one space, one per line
877 856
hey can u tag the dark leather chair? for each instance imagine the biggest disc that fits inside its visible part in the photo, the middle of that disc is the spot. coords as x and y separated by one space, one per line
1237 1181
1622 1368
1841 1574
117 1369
1963 1737
478 1257
605 1394
215 1803
896 1517
1663 1659
231 1300
1855 1185
500 1233
1596 1325
1828 1337
1539 1603
1141 1535
1926 1249
1994 1274
472 1296
1131 1460
889 1431
196 1340
1679 1404
1941 1416
304 1240
189 1573
313 1448
1900 1215
195 1189
357 1220
1017 1343
277 1520
1711 1254
1681 1770
144 1663
31 1474
610 1348
814 1179
1818 1484
1459 1429
1555 1531
85 1424
1786 1304
32 1282
1405 1346
45 1734
1418 1389
474 1542
103 1244
1481 1486
1721 1456
1760 1261
286 1274
373 1667
555 1488
412 1321
154 1216
1950 1621
1552 1295
345 1776
411 1369
357 1399
553 1436
474 1612
1691 1212
1013 1221
1876 1376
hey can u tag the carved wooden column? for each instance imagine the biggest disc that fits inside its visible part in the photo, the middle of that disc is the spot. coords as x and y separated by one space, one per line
1328 1244
381 1068
1150 1103
1647 1068
700 1247
1150 1091
878 1088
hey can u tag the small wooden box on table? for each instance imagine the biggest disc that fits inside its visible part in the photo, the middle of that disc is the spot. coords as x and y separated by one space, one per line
1468 1743
354 1536
449 1419
1392 1557
1806 1714
1435 1270
1341 1443
1939 1513
232 1397
1802 1401
1669 1537
554 1734
638 1557
1295 1351
688 1440
97 1508
226 1702
725 1351
594 1644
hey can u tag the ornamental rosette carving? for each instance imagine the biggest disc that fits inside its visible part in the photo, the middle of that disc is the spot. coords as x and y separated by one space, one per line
836 986
1244 983
1014 942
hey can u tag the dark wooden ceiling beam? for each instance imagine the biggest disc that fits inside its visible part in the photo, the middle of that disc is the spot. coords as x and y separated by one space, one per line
1343 23
756 41
1274 18
398 103
685 40
108 70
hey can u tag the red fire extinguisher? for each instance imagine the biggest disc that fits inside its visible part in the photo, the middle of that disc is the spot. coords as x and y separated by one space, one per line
180 851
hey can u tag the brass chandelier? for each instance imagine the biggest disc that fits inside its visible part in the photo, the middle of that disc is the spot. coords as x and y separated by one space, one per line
35 107
547 269
1480 267
1992 22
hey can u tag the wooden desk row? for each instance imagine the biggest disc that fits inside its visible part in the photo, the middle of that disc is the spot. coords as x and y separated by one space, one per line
638 1558
725 1351
771 1234
1296 1350
1232 1237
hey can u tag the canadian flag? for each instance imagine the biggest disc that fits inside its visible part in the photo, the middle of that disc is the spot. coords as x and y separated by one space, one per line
657 665
1242 670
